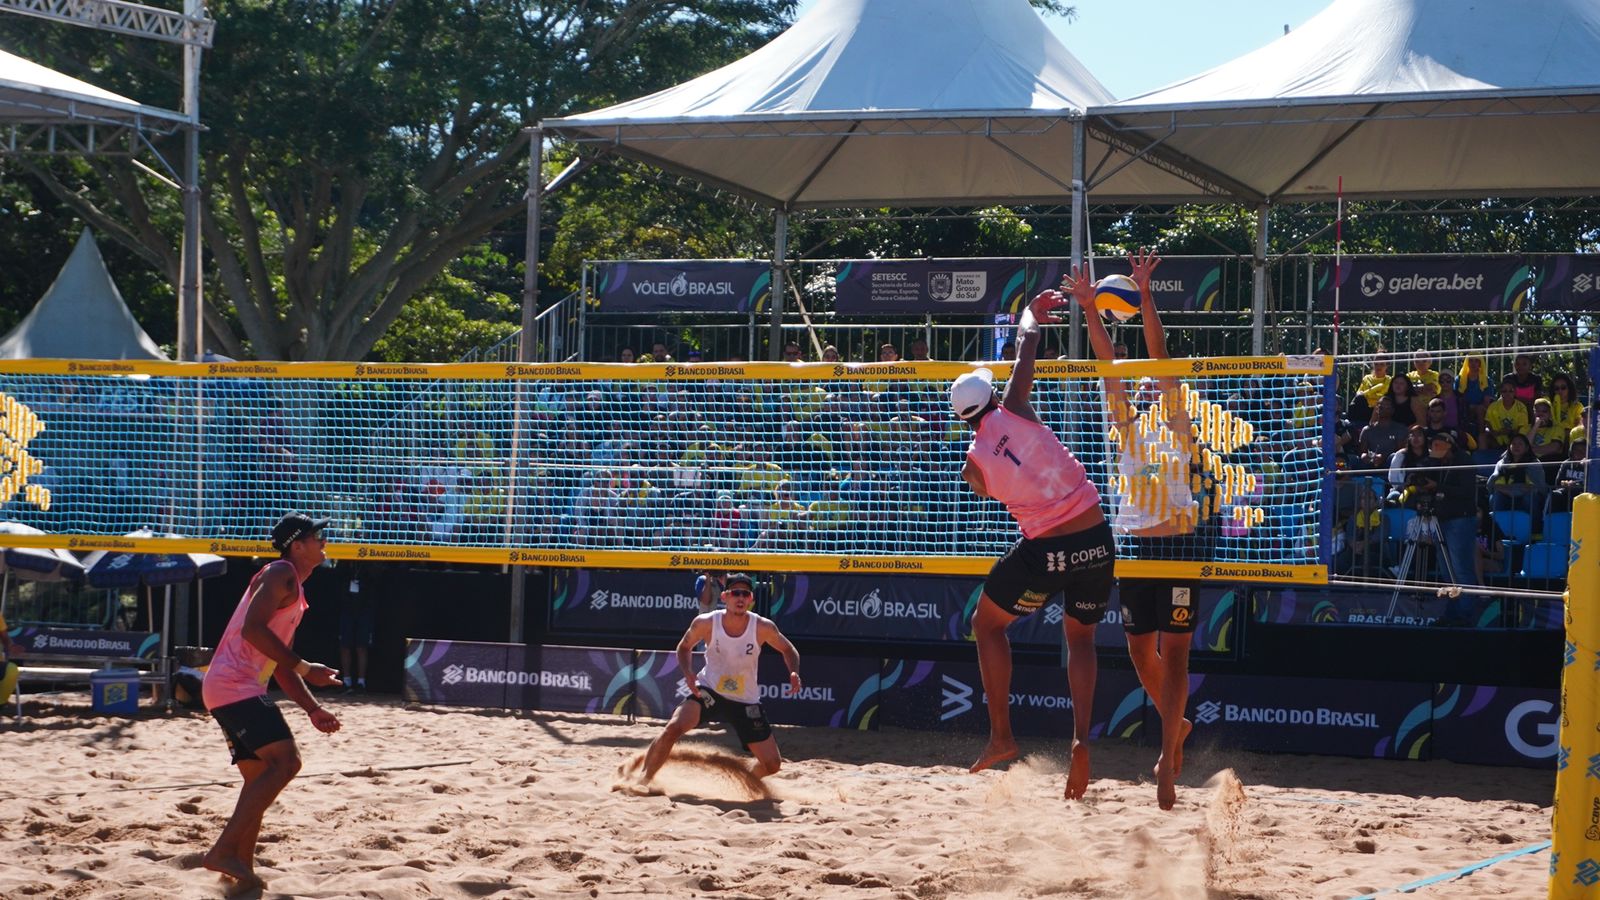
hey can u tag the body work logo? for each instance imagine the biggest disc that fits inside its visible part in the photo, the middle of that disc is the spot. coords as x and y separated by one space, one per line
956 698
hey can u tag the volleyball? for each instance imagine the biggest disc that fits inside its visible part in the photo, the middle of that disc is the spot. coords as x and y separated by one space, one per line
1117 298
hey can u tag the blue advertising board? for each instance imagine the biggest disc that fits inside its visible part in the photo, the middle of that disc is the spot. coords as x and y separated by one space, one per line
1496 726
944 696
1391 720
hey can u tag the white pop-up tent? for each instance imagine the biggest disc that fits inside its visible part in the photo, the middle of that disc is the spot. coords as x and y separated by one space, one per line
871 102
1400 98
81 316
31 94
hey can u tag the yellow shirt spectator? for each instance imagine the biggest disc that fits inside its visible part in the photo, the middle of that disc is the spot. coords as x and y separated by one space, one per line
1502 421
1373 387
1430 378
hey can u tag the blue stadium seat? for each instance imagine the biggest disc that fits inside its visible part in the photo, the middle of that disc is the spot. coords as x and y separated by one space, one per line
1395 522
1515 524
1545 560
1557 528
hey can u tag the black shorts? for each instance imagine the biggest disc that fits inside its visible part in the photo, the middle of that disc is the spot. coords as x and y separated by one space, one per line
748 720
1079 564
250 725
1163 604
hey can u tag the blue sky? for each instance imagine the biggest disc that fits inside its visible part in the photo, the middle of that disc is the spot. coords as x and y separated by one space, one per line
1133 46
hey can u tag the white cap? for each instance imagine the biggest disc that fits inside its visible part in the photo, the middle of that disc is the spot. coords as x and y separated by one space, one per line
971 392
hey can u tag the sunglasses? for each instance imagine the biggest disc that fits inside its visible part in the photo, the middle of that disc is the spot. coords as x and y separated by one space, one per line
738 592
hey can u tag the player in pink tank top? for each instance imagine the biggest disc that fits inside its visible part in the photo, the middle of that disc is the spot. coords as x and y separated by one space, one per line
1015 458
255 647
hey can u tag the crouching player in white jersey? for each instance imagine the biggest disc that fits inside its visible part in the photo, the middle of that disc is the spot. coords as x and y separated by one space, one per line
725 689
1066 545
1158 515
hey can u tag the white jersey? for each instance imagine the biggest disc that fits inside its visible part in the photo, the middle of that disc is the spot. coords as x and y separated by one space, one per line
1152 487
730 667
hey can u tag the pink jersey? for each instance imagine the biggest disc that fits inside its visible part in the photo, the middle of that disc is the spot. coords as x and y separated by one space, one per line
1025 467
238 670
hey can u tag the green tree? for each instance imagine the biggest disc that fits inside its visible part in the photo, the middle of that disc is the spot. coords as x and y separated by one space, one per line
357 148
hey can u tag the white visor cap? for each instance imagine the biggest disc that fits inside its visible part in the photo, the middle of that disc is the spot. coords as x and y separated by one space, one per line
971 392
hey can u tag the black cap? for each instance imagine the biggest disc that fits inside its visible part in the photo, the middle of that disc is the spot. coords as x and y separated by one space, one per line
294 526
738 578
1445 436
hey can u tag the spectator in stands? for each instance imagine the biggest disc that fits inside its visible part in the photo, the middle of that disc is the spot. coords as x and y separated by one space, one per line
1517 481
1453 407
1374 385
1569 481
919 350
1504 419
828 517
830 353
1455 488
1564 402
791 352
658 353
254 649
1473 382
727 530
625 355
781 525
1409 407
1529 385
1402 461
1546 436
1437 421
1380 438
888 354
1423 377
1008 351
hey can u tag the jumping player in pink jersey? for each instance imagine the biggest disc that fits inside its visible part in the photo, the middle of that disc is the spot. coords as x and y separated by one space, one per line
255 648
725 689
1066 543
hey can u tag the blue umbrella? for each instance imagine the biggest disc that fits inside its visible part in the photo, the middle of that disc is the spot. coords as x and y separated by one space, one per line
33 563
107 569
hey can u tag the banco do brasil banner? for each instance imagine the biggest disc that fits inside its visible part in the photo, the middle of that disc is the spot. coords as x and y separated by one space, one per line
1424 283
692 285
623 600
987 286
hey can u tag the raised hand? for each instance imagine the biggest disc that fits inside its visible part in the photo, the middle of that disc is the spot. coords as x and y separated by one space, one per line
1080 287
1045 304
1143 262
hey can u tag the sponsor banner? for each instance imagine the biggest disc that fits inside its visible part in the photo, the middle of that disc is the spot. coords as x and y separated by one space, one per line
948 696
929 286
627 600
838 692
863 606
1403 284
39 642
1179 284
1569 281
1327 606
456 673
1496 726
569 679
1391 720
690 284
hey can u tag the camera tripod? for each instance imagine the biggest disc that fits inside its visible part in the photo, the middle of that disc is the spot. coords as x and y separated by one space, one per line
1423 527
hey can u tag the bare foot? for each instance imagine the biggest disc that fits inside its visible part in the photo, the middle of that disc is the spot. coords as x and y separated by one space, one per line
232 867
1078 774
996 752
1177 758
1166 784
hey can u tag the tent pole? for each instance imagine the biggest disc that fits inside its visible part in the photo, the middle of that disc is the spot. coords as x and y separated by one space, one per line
1079 216
780 255
191 340
1258 287
527 353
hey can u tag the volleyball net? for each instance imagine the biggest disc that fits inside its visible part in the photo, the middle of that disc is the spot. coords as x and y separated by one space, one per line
767 466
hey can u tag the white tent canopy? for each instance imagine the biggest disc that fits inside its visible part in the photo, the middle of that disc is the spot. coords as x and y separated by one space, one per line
876 102
1432 98
81 316
33 94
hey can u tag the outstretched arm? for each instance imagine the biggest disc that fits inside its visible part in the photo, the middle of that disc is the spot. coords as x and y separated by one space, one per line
1019 387
1077 284
774 638
1143 264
